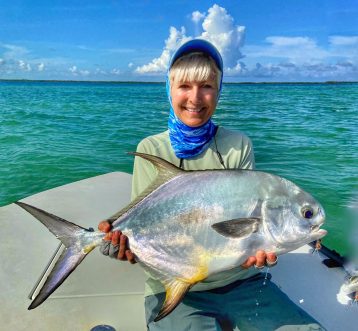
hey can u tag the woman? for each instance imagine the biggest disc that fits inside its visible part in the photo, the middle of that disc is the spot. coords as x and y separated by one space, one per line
194 142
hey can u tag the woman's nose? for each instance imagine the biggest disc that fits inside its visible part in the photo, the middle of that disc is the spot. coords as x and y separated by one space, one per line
195 95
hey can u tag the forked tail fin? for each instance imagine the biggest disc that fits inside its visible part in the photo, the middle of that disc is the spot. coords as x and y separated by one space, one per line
77 240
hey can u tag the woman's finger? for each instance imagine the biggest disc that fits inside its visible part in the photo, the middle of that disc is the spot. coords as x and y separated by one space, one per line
130 256
249 262
271 259
104 226
116 237
108 236
260 259
122 247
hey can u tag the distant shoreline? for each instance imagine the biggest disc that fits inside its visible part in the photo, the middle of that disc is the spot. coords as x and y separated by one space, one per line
145 82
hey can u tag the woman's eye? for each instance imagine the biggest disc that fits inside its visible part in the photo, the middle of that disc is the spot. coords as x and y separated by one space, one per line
183 85
307 212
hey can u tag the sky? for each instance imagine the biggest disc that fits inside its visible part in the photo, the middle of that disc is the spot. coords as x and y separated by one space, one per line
120 40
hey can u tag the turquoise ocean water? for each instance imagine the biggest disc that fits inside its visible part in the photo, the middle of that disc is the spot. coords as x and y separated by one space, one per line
53 133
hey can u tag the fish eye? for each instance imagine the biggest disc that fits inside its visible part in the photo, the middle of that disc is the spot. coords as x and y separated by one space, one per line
307 212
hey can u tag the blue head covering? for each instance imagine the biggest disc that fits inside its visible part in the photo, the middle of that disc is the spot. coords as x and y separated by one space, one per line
189 141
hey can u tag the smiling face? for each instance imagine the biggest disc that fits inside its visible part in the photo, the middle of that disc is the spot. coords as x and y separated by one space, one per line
194 102
194 88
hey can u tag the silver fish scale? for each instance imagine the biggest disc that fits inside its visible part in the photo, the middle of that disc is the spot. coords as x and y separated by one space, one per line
172 225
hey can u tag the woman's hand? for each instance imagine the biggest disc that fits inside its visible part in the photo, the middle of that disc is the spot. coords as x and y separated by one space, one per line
260 260
115 244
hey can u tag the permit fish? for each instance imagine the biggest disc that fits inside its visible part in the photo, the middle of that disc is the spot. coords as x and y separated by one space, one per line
190 225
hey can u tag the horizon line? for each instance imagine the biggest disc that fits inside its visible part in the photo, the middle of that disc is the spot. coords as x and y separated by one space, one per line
162 82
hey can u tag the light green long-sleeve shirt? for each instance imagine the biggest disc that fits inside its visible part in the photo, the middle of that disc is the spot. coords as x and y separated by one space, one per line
237 153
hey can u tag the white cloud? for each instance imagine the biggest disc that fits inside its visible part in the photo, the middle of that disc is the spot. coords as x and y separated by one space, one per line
14 51
344 47
73 69
159 64
84 72
290 49
130 65
24 66
291 71
76 72
239 69
197 16
2 61
302 58
99 71
115 71
344 40
295 49
41 67
282 41
218 28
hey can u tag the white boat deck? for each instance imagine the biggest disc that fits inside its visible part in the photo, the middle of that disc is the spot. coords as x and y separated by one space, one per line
104 291
100 291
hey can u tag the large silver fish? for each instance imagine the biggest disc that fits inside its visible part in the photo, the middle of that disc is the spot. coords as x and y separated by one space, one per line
190 225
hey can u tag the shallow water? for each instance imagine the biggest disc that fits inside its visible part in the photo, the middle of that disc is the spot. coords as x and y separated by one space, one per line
54 133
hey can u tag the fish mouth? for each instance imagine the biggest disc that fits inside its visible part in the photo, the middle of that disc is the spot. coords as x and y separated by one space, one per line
317 232
315 229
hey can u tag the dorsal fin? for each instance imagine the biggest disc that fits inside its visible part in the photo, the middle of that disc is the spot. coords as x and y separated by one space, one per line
166 171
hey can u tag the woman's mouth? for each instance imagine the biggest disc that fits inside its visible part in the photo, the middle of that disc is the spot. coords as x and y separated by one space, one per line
193 110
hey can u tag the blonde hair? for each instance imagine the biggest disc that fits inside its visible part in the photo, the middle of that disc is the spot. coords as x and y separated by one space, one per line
196 66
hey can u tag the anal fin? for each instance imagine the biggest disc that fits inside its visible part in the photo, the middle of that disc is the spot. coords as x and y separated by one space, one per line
175 292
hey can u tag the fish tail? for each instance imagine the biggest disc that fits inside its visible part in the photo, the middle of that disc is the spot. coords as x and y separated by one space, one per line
78 242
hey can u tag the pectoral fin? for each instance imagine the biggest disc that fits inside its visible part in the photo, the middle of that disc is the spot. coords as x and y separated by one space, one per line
236 228
175 291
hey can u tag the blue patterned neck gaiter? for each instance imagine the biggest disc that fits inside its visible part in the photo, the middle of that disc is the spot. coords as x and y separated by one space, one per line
187 141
